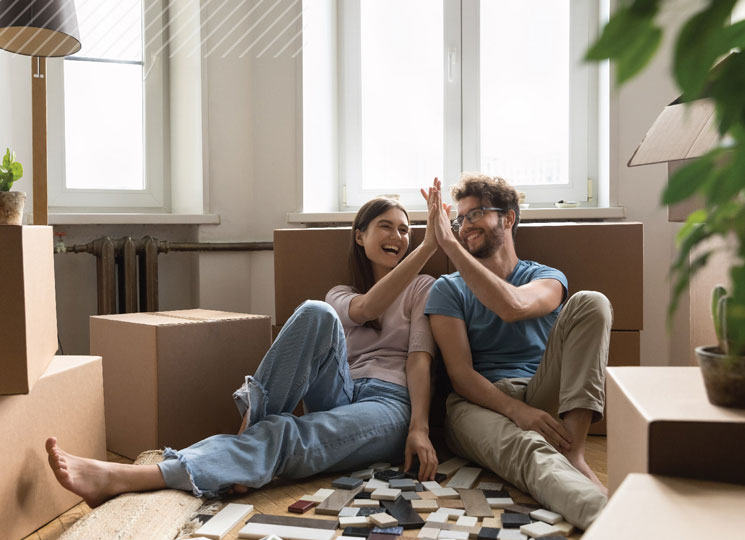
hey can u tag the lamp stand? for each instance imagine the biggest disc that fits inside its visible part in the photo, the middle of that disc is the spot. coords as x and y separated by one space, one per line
39 130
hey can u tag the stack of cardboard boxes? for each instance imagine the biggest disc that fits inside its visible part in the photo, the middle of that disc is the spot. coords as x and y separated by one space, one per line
41 394
166 379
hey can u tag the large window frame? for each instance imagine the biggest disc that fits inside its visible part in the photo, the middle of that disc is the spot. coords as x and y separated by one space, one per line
155 196
461 130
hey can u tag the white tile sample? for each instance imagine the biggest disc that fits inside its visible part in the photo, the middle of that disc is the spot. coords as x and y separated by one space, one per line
348 511
437 517
467 521
500 502
374 484
364 474
538 529
547 516
491 522
364 502
380 466
452 513
224 520
565 527
450 466
511 534
465 478
452 535
430 485
386 494
354 521
383 520
286 532
428 533
425 505
446 493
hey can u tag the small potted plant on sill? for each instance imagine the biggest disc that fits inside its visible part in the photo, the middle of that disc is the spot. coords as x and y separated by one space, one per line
11 202
722 365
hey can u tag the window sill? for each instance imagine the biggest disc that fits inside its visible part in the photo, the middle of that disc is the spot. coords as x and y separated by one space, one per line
529 214
130 219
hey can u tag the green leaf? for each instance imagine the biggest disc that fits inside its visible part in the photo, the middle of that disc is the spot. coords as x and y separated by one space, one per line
694 218
7 159
688 180
16 169
718 292
734 35
620 30
638 54
727 83
701 41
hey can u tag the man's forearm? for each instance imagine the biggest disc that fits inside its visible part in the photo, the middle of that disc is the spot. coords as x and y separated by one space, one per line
477 389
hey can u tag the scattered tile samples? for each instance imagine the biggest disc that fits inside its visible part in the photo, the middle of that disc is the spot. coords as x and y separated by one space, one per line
514 521
319 496
446 534
445 493
520 508
404 513
374 484
395 531
386 494
404 484
547 516
490 485
359 532
452 513
383 519
260 530
430 485
511 534
353 521
465 478
500 503
423 505
301 506
410 495
364 502
565 527
364 474
450 466
428 533
491 522
348 511
368 510
488 533
346 482
311 523
466 521
475 503
336 501
539 529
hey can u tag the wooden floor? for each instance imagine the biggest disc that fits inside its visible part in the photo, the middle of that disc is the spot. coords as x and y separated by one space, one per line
277 496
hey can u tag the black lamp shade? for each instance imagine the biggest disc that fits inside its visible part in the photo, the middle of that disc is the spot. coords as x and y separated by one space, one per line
39 27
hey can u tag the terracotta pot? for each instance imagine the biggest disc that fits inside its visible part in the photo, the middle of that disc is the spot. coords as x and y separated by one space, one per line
11 207
724 377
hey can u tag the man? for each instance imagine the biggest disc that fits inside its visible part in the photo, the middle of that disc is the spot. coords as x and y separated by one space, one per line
527 364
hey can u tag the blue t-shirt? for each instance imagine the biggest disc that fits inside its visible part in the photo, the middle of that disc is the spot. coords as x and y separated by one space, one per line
499 349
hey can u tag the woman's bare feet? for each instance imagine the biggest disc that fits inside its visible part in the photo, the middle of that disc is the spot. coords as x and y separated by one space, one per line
98 481
88 478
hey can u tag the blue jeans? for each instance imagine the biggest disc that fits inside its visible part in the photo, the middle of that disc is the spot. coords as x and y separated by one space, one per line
348 423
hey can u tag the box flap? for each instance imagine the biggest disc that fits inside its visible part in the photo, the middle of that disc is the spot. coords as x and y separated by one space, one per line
681 131
183 316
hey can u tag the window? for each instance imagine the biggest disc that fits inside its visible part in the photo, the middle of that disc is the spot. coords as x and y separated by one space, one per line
106 110
432 88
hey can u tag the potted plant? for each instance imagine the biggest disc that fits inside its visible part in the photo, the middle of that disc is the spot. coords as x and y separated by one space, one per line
11 202
709 62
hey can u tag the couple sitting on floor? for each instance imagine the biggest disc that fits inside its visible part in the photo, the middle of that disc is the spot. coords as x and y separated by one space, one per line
527 365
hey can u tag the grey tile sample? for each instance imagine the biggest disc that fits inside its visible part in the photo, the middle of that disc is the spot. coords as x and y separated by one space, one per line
346 482
488 533
514 521
404 484
361 532
337 500
409 495
389 530
475 503
521 508
401 509
293 521
496 493
368 510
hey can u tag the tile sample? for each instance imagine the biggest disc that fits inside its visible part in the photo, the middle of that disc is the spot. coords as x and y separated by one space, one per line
382 536
539 529
260 530
490 485
364 502
397 531
380 466
452 535
386 494
319 496
488 533
521 508
451 503
467 521
500 503
450 466
495 493
383 520
431 484
465 478
224 520
475 503
301 506
547 516
404 513
410 495
446 493
348 511
428 533
346 482
360 532
374 484
368 510
364 474
404 484
353 521
437 518
427 495
565 527
452 513
511 534
491 522
514 521
389 474
422 505
336 501
293 521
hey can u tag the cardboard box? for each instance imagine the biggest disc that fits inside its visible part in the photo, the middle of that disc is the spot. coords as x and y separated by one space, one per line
66 402
660 422
648 506
169 376
28 332
681 132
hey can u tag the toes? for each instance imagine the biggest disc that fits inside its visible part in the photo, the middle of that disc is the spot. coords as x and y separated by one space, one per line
51 443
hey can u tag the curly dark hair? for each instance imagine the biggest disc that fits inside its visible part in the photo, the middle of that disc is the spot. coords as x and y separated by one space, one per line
491 190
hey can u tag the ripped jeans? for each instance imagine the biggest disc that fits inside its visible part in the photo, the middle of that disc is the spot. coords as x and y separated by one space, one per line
348 423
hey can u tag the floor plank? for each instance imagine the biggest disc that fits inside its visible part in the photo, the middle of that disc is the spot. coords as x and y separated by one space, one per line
277 496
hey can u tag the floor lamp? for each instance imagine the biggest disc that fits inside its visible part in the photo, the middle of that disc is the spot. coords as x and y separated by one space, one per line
40 29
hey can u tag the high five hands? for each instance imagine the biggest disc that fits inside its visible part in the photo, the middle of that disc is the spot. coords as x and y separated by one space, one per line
439 229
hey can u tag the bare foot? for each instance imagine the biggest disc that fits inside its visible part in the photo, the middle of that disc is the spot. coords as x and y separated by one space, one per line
581 465
244 424
88 478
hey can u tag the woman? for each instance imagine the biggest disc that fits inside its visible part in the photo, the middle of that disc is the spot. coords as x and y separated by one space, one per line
368 405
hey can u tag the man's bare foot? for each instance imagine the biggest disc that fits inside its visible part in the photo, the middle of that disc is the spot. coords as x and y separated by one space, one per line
244 424
581 465
88 478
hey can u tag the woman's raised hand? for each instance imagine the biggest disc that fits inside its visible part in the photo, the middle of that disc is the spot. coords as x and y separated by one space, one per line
438 221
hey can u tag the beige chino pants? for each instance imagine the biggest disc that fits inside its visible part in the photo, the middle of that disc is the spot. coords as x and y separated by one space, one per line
571 375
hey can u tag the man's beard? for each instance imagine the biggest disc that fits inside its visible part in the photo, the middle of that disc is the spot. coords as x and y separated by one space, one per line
492 241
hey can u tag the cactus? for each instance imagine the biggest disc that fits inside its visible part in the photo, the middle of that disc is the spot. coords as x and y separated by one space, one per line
10 170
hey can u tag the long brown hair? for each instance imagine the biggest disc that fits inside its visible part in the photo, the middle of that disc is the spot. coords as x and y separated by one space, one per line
361 275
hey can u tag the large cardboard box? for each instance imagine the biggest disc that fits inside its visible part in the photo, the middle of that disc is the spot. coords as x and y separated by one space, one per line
66 402
660 422
28 332
169 376
648 506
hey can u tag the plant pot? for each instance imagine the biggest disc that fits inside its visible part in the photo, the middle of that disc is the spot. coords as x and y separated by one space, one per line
724 377
11 207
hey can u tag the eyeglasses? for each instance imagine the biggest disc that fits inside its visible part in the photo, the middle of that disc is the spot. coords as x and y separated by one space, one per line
473 216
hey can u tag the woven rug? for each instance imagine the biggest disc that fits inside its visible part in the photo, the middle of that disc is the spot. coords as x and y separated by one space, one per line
154 516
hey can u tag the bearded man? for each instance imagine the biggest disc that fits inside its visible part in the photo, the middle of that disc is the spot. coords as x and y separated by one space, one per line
527 364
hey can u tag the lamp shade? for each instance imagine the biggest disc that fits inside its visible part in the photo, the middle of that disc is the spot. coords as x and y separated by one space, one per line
46 28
